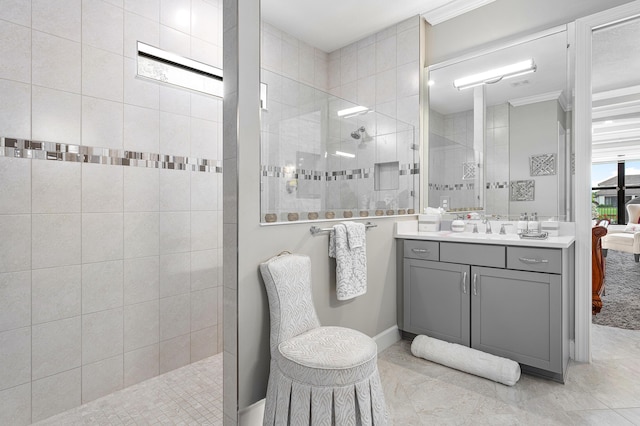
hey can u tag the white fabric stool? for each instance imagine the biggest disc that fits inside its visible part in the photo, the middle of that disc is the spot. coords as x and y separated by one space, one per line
319 375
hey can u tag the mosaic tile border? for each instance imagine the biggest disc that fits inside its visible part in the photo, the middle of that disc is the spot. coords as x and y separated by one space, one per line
451 187
523 190
53 151
542 165
303 174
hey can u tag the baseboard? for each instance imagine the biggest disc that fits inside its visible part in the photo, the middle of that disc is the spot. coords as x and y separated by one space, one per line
387 338
252 415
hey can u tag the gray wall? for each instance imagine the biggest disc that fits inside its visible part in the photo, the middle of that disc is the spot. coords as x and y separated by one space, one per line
505 19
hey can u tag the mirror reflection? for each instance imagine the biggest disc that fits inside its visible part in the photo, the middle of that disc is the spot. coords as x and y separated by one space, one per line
499 121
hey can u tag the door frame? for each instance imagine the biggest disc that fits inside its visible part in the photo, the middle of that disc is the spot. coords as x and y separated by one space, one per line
582 190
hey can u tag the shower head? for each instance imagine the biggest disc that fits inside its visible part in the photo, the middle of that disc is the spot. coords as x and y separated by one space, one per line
356 134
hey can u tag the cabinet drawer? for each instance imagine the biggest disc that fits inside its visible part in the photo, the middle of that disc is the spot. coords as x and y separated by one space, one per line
473 254
535 259
426 250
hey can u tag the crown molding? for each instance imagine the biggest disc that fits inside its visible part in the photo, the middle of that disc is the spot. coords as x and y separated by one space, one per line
550 96
452 9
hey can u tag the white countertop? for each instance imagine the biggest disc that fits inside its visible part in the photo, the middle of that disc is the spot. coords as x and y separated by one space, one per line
409 230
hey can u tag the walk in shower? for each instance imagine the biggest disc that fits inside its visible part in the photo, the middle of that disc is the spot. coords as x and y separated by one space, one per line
110 201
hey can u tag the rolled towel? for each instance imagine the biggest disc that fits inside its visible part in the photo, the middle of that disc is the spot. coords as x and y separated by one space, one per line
498 369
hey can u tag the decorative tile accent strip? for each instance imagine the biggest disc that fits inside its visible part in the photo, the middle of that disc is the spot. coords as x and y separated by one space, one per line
22 148
303 174
468 170
542 165
497 185
451 187
523 190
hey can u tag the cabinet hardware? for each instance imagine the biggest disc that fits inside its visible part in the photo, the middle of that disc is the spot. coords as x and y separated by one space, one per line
464 283
475 284
533 261
416 250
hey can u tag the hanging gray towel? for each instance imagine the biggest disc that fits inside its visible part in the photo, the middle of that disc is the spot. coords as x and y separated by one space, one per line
347 244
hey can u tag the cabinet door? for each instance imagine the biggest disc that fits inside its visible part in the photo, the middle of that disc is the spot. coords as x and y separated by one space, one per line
436 300
517 315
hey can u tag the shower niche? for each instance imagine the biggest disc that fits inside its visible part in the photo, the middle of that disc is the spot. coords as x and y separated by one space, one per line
323 157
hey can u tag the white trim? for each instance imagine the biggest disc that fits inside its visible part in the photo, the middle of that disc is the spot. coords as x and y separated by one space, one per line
616 93
252 415
551 96
172 57
582 126
387 338
452 9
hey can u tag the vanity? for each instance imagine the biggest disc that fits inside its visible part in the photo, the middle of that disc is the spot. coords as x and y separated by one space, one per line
495 293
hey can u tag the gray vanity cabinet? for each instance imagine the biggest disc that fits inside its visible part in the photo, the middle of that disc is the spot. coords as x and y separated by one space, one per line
436 300
517 315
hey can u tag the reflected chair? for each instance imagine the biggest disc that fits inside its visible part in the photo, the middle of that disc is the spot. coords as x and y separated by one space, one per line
318 375
625 238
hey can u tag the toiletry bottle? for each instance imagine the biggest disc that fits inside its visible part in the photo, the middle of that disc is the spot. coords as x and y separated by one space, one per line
533 226
522 224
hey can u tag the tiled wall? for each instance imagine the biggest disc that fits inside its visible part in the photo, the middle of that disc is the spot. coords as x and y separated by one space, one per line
109 274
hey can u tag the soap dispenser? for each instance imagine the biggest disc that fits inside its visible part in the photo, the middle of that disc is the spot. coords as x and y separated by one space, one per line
533 226
522 224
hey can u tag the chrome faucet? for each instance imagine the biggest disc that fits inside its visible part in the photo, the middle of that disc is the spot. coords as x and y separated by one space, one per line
488 223
503 231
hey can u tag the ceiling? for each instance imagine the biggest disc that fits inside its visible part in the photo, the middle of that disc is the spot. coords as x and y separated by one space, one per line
332 24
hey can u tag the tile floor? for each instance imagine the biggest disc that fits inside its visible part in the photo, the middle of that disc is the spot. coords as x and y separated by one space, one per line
418 392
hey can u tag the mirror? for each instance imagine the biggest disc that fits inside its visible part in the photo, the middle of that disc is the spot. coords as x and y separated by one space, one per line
499 141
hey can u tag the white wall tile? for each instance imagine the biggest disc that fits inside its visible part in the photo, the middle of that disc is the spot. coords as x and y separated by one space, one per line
204 308
55 115
102 286
175 232
55 240
102 335
102 188
206 107
367 61
204 343
141 364
141 129
55 394
290 60
16 11
102 25
174 274
386 86
15 52
15 300
55 347
204 190
102 74
15 357
366 94
102 123
141 234
141 189
15 192
61 18
139 91
174 133
408 46
138 28
385 54
204 140
141 279
175 41
102 237
175 190
56 62
206 20
15 121
204 230
56 187
148 8
56 293
102 378
408 79
176 14
15 405
175 353
204 269
141 325
272 52
175 314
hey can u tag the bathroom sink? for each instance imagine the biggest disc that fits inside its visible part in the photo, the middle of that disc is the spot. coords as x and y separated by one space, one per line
483 236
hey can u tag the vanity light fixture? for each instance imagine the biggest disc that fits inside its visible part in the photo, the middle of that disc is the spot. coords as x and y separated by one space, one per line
353 111
495 75
345 154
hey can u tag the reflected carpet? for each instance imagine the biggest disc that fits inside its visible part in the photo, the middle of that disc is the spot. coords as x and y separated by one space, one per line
621 302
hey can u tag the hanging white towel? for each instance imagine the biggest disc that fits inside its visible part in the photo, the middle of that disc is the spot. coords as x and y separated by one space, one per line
347 244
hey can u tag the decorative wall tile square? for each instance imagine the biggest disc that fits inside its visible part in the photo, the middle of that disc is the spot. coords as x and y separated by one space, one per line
522 190
542 165
469 170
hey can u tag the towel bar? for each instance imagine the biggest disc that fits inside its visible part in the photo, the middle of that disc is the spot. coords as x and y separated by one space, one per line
315 229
